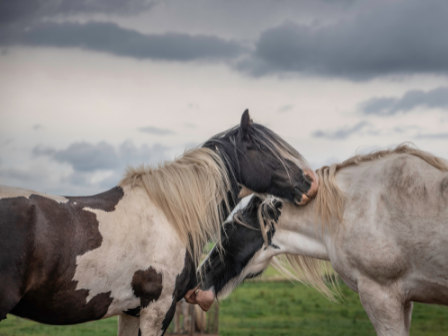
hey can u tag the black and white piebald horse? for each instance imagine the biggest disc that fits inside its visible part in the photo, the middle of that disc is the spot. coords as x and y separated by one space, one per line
132 251
380 219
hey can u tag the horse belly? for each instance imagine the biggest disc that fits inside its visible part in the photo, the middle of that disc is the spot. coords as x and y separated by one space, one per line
62 308
426 290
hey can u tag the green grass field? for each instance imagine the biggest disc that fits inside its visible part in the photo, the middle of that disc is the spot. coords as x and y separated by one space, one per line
267 309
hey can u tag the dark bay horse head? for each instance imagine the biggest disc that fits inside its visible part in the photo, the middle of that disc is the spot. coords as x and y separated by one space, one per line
245 251
262 162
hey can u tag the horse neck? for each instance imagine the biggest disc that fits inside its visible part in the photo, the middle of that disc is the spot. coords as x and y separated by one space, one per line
298 233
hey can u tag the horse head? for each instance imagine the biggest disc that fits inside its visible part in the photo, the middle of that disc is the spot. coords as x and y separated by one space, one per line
263 162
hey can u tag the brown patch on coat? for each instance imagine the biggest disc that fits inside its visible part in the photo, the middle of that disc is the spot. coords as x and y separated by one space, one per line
44 238
147 285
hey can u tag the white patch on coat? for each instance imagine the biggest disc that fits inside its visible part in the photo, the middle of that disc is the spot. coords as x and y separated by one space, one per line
258 263
11 192
136 236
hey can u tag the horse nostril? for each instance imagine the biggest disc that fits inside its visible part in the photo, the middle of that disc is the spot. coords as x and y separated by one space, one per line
308 178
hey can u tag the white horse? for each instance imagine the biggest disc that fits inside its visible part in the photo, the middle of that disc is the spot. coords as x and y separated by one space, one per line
380 219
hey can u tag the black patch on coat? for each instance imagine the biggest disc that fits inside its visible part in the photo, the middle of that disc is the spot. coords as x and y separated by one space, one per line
184 282
39 242
135 312
147 286
239 243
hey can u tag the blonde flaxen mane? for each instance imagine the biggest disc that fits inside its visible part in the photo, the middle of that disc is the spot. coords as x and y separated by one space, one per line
192 193
329 204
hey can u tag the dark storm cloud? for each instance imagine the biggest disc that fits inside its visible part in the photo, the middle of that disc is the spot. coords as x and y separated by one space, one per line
111 38
393 38
345 39
85 157
387 106
342 133
155 130
20 11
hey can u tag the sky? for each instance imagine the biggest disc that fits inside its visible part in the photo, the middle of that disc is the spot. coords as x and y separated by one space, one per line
90 87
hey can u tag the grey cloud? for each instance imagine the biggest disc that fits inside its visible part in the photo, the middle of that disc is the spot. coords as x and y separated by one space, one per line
285 108
129 154
95 167
19 11
193 106
6 142
155 130
16 174
111 38
85 157
386 106
395 38
41 150
342 133
433 136
190 125
405 129
37 127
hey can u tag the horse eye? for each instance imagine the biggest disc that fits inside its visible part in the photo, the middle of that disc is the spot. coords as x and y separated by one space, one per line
262 147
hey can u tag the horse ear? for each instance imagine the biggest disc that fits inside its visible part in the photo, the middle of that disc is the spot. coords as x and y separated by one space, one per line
246 122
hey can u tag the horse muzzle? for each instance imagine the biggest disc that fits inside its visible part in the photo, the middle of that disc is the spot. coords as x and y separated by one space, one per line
204 299
312 177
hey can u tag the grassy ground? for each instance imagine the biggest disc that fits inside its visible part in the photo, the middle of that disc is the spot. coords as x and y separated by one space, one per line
267 309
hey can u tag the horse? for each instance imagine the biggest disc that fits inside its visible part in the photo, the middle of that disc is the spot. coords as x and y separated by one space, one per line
132 251
380 219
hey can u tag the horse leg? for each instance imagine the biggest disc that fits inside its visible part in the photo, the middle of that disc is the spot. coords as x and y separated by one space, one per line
128 325
385 308
408 315
157 316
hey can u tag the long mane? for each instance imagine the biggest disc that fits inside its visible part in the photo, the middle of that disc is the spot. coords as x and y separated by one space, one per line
329 203
307 270
191 191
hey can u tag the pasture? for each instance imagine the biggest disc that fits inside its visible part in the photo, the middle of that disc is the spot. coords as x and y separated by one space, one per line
267 308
